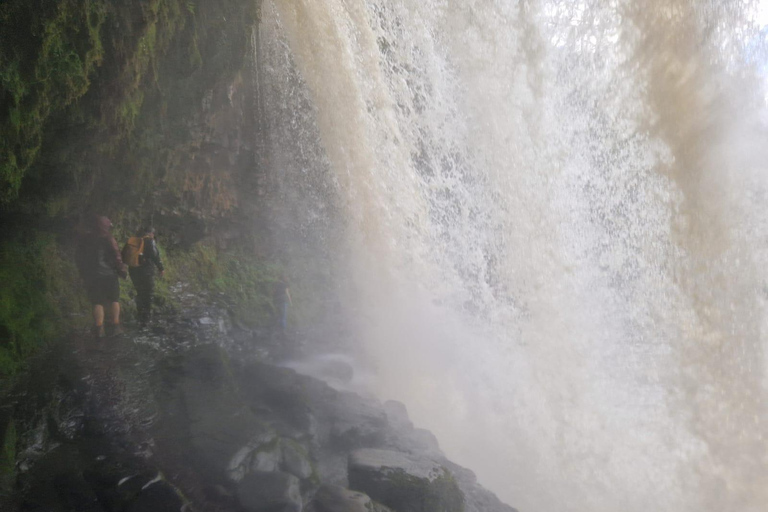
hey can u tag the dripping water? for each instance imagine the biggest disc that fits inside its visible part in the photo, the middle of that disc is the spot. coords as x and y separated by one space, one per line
543 224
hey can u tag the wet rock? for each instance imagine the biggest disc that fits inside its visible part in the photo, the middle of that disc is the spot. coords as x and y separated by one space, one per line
334 369
232 431
220 495
157 496
357 423
73 493
132 485
267 460
247 458
338 370
285 399
333 498
295 460
271 455
404 482
397 415
270 492
206 405
476 498
7 450
424 440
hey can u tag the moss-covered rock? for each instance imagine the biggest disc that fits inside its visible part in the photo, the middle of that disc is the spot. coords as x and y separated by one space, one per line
333 498
403 482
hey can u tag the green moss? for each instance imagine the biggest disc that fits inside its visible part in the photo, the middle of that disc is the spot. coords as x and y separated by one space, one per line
38 300
8 457
42 70
241 279
96 115
408 493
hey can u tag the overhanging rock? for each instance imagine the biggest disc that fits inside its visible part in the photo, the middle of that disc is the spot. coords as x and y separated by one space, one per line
403 482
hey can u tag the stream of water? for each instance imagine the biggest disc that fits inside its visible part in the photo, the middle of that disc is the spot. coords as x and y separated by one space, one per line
545 223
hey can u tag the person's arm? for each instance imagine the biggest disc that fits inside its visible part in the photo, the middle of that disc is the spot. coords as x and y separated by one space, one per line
120 267
156 258
288 294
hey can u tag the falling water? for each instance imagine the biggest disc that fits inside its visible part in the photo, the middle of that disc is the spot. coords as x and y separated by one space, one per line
545 223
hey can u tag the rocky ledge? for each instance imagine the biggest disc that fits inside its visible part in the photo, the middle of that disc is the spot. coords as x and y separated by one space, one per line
129 425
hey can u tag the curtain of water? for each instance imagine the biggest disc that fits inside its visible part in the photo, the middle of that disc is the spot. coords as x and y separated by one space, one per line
545 221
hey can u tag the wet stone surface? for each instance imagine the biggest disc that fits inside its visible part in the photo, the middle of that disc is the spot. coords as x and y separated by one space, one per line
196 414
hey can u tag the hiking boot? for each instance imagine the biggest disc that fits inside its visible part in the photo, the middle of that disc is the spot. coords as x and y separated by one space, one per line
98 331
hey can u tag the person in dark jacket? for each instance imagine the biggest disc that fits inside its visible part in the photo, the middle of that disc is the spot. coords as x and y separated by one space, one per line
99 263
143 276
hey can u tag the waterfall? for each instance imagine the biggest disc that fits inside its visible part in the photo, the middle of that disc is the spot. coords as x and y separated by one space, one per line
544 225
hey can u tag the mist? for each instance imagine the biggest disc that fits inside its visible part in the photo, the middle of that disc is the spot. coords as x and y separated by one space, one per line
542 223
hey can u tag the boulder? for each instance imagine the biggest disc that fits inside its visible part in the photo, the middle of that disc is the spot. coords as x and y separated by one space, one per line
283 397
423 440
357 423
477 499
333 498
263 491
268 454
404 482
268 459
260 454
204 405
397 415
295 460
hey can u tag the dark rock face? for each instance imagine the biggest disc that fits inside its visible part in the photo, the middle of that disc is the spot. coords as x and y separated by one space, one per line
230 435
264 491
404 482
157 497
7 450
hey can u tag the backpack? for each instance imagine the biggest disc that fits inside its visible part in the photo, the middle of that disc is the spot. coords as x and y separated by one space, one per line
132 251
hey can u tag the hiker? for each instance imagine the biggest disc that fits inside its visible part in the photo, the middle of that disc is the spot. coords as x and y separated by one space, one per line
99 262
281 298
142 256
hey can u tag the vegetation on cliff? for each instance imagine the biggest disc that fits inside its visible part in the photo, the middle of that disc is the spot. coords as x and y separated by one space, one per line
139 110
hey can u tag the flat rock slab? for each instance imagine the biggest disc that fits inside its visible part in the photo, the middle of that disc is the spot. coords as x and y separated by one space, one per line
332 498
404 482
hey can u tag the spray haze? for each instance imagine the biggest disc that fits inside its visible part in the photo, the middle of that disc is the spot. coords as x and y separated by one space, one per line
546 226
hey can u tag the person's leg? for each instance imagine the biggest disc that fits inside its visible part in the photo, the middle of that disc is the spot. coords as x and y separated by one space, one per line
98 321
133 272
98 315
114 312
112 296
143 299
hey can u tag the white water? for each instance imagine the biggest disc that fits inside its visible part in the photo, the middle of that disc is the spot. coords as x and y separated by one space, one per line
547 224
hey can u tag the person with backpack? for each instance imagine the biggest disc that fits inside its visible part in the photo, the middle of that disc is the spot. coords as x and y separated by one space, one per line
142 256
99 262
